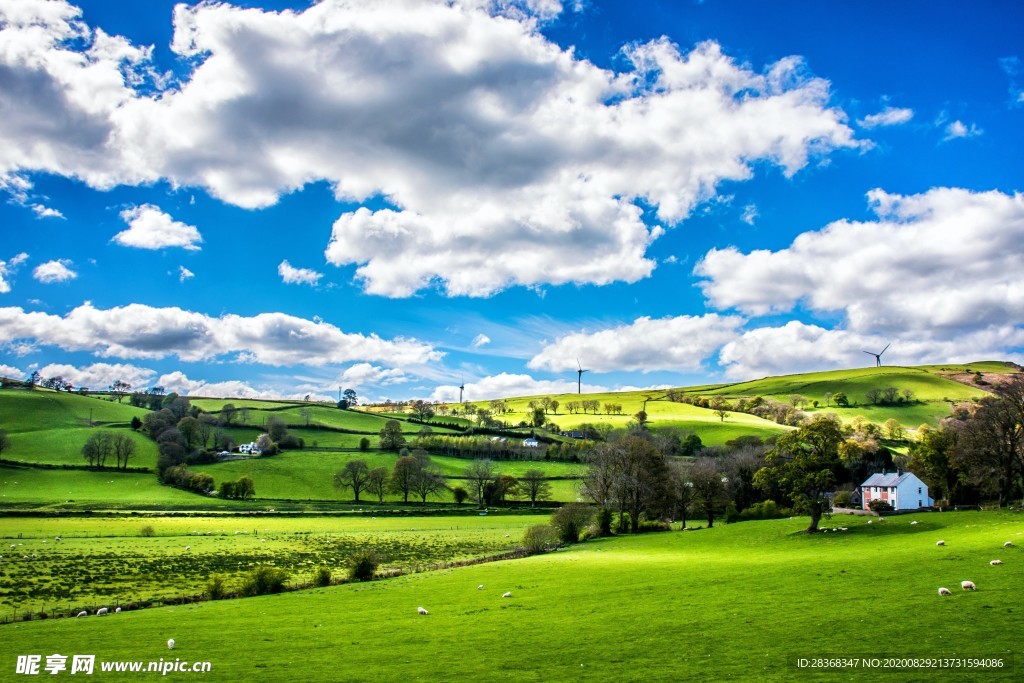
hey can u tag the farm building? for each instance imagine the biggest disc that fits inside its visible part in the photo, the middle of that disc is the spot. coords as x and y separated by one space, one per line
531 443
250 449
902 490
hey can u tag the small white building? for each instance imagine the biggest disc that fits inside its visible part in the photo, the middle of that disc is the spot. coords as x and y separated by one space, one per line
531 443
250 449
902 490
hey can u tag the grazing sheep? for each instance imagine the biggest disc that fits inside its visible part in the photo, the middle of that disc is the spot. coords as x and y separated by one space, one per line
83 613
871 521
188 547
844 528
995 562
945 591
421 610
56 538
913 523
102 611
968 586
940 543
117 611
507 595
480 587
1008 544
170 643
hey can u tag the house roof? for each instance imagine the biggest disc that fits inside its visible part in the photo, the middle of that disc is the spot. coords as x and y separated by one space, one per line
883 479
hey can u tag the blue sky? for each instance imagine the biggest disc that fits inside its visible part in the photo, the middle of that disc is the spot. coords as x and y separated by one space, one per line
278 199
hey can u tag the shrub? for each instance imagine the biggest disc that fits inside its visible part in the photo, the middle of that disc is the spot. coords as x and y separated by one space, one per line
362 566
604 522
570 520
215 588
147 531
540 539
653 525
364 444
843 499
880 506
264 581
322 577
460 494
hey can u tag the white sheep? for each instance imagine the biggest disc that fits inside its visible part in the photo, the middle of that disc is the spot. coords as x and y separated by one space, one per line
480 587
995 563
1008 544
83 613
871 521
170 643
913 523
117 611
940 543
968 586
56 538
945 591
507 595
422 610
101 611
188 547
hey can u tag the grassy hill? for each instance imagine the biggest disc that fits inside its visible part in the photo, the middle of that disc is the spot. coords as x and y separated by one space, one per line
737 602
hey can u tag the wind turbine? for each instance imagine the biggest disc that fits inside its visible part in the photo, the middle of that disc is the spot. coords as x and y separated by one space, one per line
878 356
462 388
579 377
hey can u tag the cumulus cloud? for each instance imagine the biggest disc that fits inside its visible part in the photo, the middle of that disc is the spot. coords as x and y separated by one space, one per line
365 374
9 268
801 347
297 276
54 271
42 211
180 383
140 331
184 274
511 154
508 385
958 129
480 340
151 228
676 343
10 371
890 116
947 261
99 375
749 214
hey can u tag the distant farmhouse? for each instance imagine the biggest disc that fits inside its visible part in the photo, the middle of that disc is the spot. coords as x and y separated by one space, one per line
250 449
902 490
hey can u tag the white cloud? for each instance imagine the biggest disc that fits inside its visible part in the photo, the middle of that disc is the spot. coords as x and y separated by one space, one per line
480 340
749 214
944 263
99 375
365 374
890 116
800 347
957 129
151 228
292 275
54 271
511 147
11 372
181 384
508 385
8 268
675 343
46 212
140 331
184 274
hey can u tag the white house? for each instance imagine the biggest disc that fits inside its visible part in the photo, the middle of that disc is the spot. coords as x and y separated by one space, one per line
531 443
902 490
250 449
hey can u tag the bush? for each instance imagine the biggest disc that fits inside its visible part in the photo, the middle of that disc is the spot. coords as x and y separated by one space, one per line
322 577
570 520
843 499
540 539
264 581
147 531
362 566
653 525
880 506
604 522
364 444
215 588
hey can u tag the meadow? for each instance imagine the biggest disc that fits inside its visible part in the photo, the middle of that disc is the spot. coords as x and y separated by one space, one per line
107 561
738 602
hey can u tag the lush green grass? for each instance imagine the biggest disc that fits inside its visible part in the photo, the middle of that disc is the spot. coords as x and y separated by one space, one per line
977 366
29 411
735 602
76 572
21 487
63 446
302 475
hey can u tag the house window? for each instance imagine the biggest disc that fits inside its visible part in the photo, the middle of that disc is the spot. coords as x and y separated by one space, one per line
918 490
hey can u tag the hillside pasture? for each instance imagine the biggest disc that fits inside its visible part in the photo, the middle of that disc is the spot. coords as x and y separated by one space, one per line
737 602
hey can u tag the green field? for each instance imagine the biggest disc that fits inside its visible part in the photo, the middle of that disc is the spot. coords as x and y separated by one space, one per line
734 602
106 561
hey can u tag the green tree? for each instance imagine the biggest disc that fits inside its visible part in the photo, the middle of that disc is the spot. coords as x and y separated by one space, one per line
427 481
570 521
403 476
228 413
708 488
802 466
391 438
460 494
124 448
840 399
136 423
893 429
355 475
364 444
189 428
480 472
276 428
933 459
98 447
119 389
245 488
